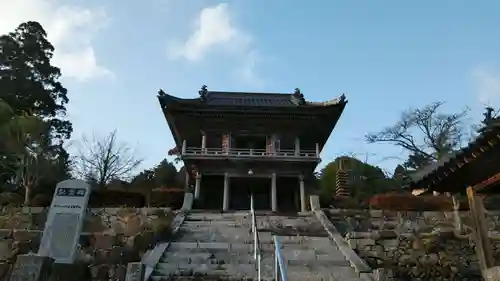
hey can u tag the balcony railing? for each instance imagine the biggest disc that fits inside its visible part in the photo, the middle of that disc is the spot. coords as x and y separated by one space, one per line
242 152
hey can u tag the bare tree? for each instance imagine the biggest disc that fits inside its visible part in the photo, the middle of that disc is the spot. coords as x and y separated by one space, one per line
104 159
426 133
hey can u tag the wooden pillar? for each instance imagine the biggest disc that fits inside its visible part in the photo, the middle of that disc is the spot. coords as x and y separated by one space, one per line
274 201
197 186
225 200
186 184
203 144
297 146
483 246
184 146
302 194
226 142
317 149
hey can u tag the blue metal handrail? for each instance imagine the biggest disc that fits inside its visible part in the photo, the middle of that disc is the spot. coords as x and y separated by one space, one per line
279 262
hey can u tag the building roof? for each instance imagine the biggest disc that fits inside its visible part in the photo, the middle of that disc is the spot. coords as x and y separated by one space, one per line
469 166
218 98
249 105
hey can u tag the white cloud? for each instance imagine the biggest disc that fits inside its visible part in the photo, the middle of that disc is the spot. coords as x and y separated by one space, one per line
247 71
215 29
70 29
487 83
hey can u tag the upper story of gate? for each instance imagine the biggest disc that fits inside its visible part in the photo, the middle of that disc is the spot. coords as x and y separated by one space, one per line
250 126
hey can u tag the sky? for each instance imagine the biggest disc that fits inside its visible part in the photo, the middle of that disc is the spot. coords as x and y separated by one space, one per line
386 56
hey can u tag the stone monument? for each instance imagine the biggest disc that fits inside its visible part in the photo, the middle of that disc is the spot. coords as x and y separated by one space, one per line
65 221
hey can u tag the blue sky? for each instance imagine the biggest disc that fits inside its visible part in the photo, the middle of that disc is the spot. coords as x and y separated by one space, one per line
386 56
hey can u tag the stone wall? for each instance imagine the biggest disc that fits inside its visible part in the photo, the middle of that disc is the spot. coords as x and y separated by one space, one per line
111 237
416 245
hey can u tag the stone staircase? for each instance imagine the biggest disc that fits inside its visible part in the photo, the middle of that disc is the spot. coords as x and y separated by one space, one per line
215 246
309 253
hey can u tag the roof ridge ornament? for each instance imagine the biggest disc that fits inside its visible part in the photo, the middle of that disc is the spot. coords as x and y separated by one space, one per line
299 96
161 93
203 93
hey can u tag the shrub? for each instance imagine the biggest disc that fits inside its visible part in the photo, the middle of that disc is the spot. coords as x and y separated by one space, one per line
41 200
408 202
116 198
164 197
11 199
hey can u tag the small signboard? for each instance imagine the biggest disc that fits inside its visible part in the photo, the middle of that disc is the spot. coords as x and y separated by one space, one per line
65 220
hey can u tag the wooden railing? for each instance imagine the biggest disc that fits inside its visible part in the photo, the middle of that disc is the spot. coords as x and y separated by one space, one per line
247 152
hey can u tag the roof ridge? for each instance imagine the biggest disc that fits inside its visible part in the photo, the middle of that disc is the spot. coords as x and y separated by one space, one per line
250 93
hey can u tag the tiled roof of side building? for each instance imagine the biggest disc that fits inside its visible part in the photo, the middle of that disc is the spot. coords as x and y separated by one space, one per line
485 134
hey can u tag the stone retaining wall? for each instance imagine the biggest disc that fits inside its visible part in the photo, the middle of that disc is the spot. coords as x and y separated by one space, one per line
416 245
111 237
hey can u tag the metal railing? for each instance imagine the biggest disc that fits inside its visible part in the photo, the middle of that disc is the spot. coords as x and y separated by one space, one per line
279 262
256 244
248 152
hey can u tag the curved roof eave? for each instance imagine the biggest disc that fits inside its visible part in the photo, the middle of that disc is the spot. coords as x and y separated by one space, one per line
337 101
166 99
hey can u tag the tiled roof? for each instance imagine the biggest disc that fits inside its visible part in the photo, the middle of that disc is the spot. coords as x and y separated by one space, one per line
451 160
425 171
251 99
217 98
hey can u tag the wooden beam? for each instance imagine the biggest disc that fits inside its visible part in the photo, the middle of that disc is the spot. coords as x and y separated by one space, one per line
490 181
484 250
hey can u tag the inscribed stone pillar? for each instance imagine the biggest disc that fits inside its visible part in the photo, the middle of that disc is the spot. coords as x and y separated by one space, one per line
197 186
302 194
65 221
225 200
31 268
274 201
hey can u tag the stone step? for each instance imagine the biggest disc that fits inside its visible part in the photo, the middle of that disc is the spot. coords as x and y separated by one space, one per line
214 224
303 275
295 277
248 270
187 257
217 217
209 247
300 240
211 229
213 236
228 270
188 253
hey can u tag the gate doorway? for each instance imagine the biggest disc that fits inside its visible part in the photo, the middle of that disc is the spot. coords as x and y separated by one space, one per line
240 189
